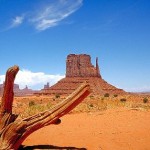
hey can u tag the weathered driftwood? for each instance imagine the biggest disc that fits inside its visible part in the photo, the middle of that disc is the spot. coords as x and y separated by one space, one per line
14 131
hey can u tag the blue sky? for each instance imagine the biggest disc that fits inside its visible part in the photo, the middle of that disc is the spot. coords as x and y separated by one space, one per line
38 35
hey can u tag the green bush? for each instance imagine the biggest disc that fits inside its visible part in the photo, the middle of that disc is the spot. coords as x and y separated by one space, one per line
115 95
91 96
31 103
145 100
123 100
106 95
57 96
91 105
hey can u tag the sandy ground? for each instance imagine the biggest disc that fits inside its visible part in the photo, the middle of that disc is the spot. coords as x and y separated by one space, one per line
113 129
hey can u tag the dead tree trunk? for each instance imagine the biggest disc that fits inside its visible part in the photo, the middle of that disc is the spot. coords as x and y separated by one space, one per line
13 132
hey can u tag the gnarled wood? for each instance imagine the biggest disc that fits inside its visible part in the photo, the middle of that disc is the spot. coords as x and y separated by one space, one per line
6 116
8 94
13 132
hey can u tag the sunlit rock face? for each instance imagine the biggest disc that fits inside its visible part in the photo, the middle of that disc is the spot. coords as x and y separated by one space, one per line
79 69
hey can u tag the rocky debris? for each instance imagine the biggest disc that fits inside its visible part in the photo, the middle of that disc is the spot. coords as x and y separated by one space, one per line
79 69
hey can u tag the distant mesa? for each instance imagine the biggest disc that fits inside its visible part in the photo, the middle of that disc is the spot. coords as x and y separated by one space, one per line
79 69
47 86
17 91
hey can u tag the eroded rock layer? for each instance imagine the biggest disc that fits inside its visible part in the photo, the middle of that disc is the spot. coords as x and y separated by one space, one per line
68 85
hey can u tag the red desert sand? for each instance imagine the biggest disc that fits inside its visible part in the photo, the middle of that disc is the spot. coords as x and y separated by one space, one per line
113 129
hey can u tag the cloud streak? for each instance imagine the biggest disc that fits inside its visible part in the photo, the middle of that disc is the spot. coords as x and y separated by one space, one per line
48 15
34 80
54 13
18 20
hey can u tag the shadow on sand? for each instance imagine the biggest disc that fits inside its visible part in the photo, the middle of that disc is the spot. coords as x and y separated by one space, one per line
49 147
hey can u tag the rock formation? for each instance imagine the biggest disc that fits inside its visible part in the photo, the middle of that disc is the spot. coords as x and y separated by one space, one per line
17 91
80 66
46 86
79 69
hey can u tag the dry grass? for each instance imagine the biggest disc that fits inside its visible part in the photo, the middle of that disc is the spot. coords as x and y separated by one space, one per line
111 102
27 106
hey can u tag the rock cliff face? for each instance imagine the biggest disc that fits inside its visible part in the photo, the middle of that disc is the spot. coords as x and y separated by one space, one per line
79 69
80 66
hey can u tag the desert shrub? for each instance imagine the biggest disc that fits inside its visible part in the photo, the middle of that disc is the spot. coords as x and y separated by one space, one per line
91 105
123 100
115 95
57 96
91 96
106 95
102 98
145 100
31 103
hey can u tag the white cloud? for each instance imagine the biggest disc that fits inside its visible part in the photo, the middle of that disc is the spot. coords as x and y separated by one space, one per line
55 12
2 78
48 14
37 80
34 80
18 20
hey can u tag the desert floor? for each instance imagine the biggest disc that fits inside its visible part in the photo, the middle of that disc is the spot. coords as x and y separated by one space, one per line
111 129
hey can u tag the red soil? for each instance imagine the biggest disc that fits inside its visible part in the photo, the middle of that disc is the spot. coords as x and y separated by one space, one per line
114 129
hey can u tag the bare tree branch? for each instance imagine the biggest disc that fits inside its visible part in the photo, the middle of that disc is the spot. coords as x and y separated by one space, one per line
13 132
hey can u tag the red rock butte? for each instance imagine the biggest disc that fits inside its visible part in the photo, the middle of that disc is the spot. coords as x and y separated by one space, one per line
79 69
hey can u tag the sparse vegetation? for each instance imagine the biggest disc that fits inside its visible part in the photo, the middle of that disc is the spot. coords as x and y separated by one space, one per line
49 105
34 109
106 95
91 105
115 95
57 96
145 100
91 96
31 103
123 100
